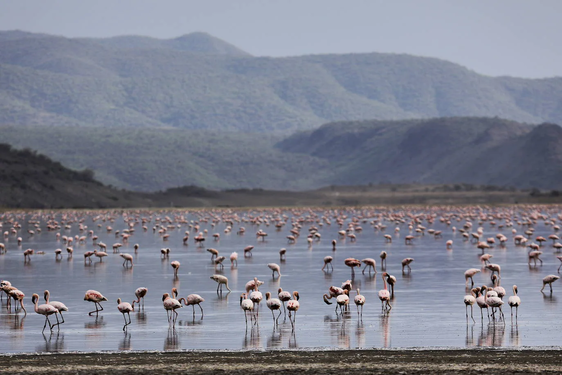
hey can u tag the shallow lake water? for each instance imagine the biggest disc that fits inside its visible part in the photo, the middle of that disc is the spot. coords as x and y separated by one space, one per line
427 309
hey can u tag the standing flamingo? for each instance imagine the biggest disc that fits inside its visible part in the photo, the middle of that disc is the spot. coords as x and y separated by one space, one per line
125 308
171 305
469 274
140 293
328 262
342 301
369 263
256 296
221 280
293 306
128 259
246 305
192 300
549 280
514 301
176 266
274 267
234 259
95 297
391 280
469 300
384 296
16 295
481 301
284 296
352 263
406 263
44 310
359 302
273 304
57 305
383 256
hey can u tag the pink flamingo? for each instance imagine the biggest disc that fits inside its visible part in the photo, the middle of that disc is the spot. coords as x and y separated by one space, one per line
256 297
56 304
95 297
221 280
234 259
128 259
192 300
469 274
352 263
293 306
369 263
469 300
514 301
125 308
406 263
176 266
88 256
44 310
283 296
246 305
549 280
391 280
481 301
384 296
140 293
171 305
27 255
328 262
359 301
383 256
274 267
273 304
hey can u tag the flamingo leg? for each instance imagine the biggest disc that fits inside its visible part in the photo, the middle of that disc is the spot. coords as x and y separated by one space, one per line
277 319
471 313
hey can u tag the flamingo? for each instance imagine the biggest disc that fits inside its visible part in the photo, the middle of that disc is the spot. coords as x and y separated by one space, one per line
494 301
273 304
253 284
481 301
342 301
248 251
514 301
384 296
469 274
359 301
192 300
469 300
352 263
140 293
88 256
27 255
171 305
534 255
282 254
485 258
328 262
100 254
57 305
176 266
58 253
495 268
549 280
256 296
221 280
293 306
559 257
125 308
274 267
16 295
234 259
214 253
391 280
497 288
95 297
128 259
449 244
246 305
383 256
218 261
406 263
44 310
284 296
371 264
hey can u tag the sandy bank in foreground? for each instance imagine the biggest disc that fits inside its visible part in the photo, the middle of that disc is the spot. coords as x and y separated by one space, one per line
474 361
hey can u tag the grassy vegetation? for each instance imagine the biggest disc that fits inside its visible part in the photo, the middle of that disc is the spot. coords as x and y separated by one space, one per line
199 82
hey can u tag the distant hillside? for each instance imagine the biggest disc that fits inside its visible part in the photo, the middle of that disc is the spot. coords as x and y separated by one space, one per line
197 81
444 150
151 159
457 150
31 180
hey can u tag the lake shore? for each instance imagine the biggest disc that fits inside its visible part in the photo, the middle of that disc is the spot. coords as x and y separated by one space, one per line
373 361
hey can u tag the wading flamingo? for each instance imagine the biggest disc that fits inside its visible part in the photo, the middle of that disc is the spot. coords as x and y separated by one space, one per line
44 310
125 308
95 297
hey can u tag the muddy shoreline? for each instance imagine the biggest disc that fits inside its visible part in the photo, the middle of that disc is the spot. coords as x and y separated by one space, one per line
374 361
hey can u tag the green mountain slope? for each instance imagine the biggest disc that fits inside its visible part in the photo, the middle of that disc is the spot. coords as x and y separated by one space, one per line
199 82
443 150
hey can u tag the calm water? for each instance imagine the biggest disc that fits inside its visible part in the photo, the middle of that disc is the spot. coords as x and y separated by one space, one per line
428 308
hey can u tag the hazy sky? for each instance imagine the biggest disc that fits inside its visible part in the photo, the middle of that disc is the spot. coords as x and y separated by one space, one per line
494 37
